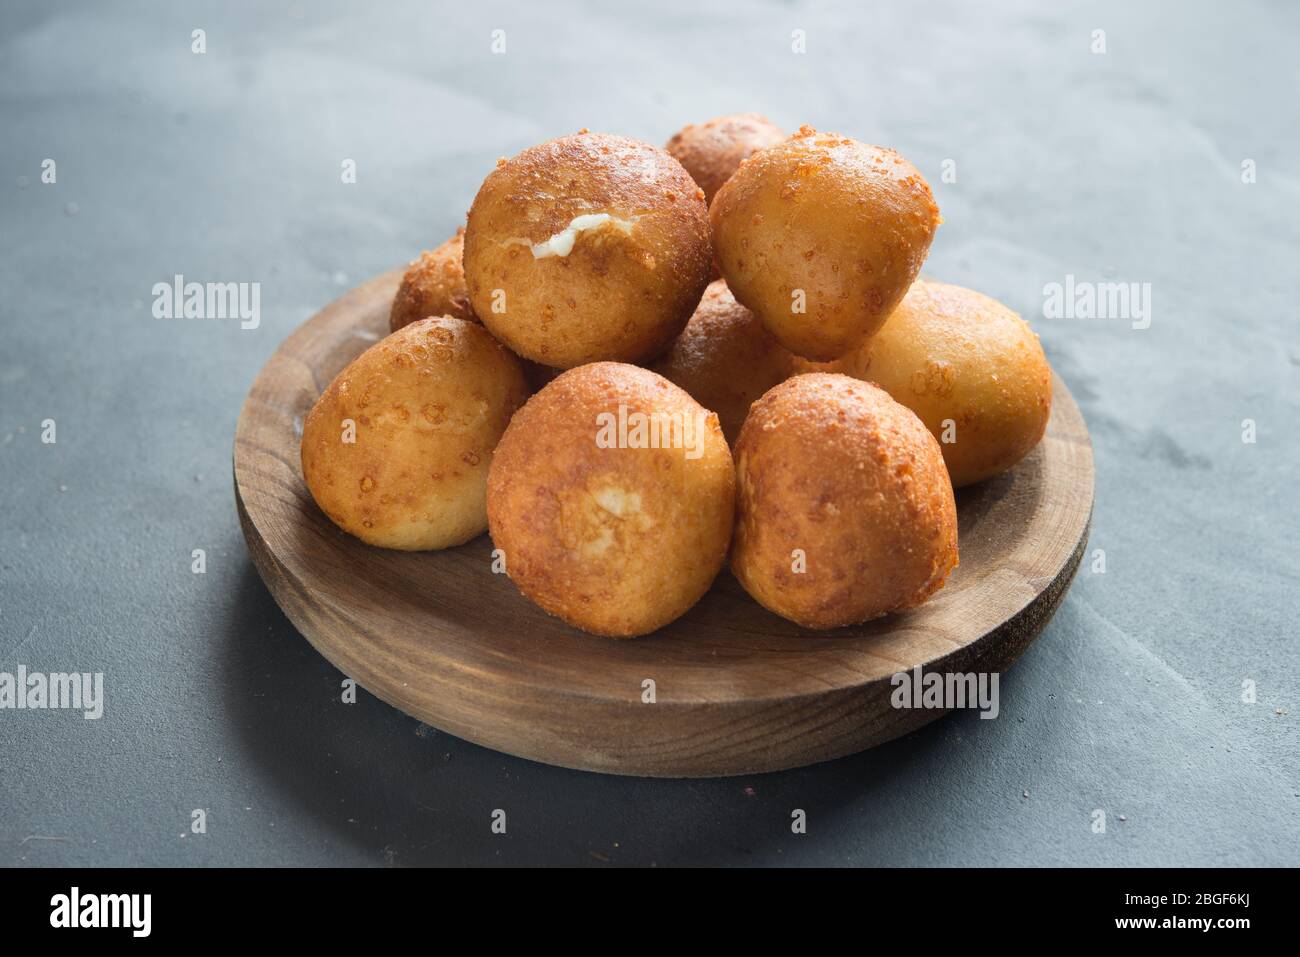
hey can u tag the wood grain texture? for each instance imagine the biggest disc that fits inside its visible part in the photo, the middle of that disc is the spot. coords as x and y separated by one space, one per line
739 690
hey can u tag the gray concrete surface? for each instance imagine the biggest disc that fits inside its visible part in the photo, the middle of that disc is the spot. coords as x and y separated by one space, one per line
1117 166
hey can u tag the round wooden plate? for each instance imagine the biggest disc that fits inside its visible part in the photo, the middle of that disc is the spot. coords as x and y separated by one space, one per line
737 689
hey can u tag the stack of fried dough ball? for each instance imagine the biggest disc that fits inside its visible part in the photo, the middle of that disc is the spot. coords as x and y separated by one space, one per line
808 415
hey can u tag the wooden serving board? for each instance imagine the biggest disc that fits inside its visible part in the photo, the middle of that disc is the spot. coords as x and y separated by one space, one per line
738 690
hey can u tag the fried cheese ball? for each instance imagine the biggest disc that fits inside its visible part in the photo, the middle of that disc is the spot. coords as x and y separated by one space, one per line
434 285
712 151
844 511
396 450
725 358
970 368
612 498
821 236
586 248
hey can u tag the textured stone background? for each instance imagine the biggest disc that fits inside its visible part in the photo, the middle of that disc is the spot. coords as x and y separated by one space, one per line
225 166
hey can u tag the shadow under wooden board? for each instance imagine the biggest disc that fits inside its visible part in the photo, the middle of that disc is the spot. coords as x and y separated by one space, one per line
738 690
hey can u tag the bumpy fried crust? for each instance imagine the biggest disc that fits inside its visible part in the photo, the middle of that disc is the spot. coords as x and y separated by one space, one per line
618 541
625 288
428 404
827 224
834 467
725 358
712 151
953 355
434 285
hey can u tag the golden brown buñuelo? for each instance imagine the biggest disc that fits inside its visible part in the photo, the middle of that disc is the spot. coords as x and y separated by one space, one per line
725 358
586 248
820 236
844 511
396 450
970 368
712 151
433 285
601 524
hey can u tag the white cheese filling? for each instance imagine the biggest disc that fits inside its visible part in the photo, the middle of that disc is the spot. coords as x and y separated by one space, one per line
561 244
